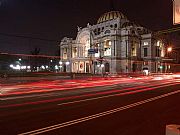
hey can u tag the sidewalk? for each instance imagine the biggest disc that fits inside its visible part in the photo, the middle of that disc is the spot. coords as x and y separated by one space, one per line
22 80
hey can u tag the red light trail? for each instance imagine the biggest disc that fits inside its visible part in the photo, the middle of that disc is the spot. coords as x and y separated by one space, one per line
114 92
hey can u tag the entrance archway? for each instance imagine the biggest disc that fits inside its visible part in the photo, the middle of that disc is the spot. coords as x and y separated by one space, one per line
87 68
107 67
64 68
134 67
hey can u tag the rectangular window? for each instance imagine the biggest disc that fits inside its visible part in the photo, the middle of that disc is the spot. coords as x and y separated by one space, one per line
65 53
133 49
145 52
133 52
107 48
97 53
74 52
158 51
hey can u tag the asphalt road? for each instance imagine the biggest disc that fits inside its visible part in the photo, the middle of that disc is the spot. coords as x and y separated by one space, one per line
91 107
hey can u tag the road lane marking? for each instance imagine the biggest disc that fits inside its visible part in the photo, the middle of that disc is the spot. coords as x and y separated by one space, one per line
119 94
125 91
95 116
121 90
42 95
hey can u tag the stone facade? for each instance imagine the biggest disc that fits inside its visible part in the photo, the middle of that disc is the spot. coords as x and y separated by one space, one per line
114 45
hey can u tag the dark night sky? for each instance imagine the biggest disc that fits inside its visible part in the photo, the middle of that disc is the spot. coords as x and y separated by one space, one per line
54 19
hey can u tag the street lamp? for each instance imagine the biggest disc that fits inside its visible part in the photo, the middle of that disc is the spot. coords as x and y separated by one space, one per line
11 66
56 67
169 49
60 62
28 67
102 65
67 63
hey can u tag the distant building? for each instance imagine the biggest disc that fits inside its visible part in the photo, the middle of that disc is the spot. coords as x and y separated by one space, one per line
113 45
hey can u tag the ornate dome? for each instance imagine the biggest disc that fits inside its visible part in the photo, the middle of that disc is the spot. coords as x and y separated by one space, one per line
110 16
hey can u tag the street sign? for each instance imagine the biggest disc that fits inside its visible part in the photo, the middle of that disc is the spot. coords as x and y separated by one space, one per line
92 51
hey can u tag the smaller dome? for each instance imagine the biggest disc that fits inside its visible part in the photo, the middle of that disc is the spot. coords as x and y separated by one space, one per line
110 16
128 24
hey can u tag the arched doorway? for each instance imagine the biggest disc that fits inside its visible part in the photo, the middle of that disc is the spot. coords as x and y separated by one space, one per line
107 67
134 67
64 68
87 68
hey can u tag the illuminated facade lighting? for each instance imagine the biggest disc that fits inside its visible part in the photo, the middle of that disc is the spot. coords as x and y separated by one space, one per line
102 40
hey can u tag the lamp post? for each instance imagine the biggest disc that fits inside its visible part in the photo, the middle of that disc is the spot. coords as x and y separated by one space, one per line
169 50
102 72
67 63
60 63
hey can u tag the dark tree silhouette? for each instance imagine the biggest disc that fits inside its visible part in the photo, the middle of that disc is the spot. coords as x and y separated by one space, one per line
36 51
35 60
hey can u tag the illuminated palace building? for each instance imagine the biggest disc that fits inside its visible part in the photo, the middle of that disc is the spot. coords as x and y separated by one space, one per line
113 45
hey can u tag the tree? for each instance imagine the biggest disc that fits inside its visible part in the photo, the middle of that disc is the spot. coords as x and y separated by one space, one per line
34 60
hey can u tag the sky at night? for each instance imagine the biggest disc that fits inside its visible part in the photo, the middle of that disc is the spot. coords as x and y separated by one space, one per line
54 19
